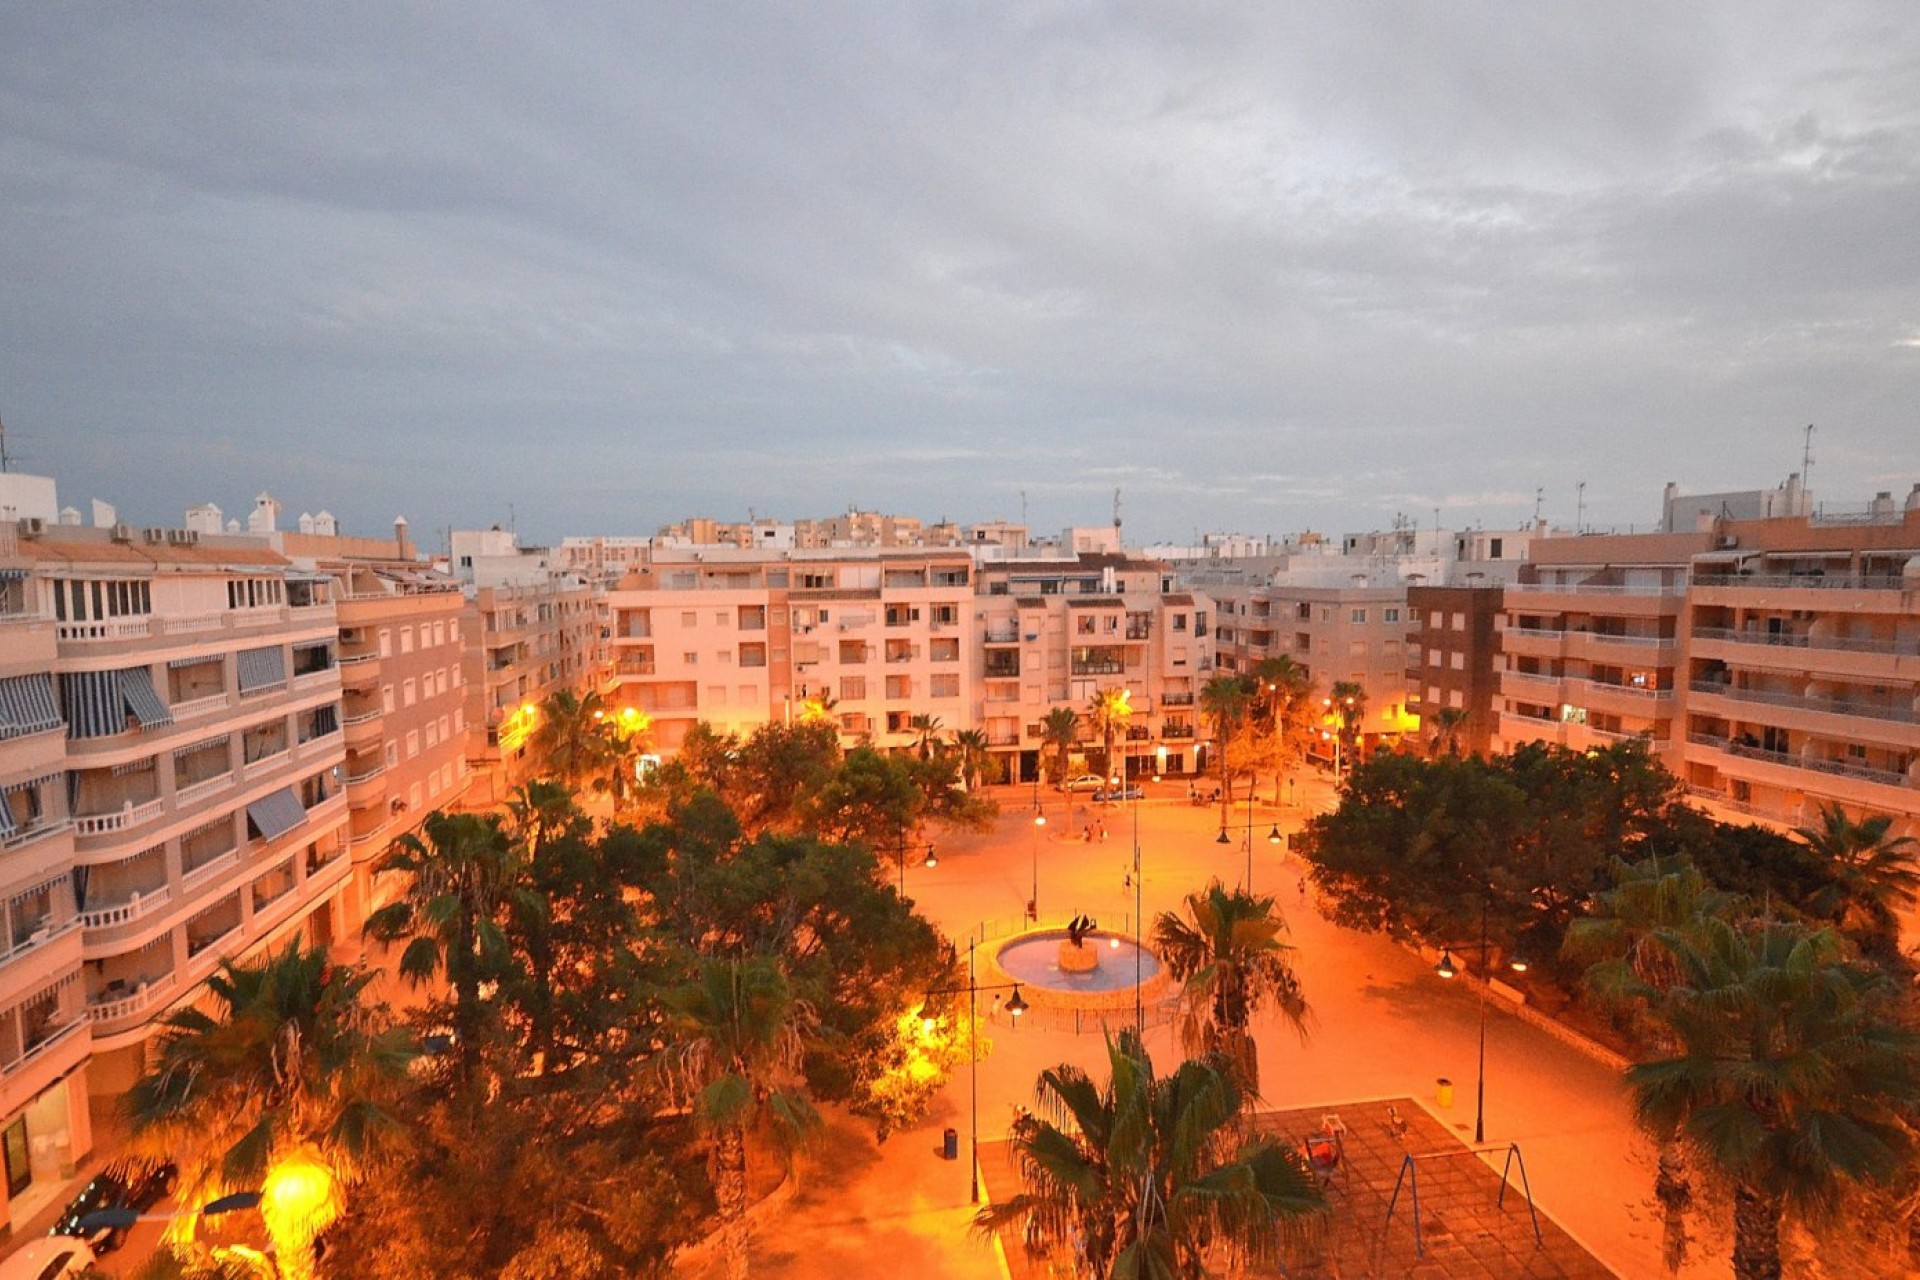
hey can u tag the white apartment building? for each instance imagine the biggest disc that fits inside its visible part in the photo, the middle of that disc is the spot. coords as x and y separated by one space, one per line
170 770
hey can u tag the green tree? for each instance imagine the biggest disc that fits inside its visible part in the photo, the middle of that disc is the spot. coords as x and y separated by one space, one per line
926 735
974 755
1110 711
735 1037
570 737
284 1086
871 797
1872 875
1792 1077
1228 955
1444 728
1142 1178
1284 695
1347 701
629 735
459 869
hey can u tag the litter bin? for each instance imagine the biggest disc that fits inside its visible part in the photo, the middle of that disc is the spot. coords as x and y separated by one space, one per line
1443 1091
950 1144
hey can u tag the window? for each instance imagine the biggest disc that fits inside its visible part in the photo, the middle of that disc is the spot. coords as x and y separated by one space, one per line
1457 660
944 686
386 698
1083 625
1304 612
691 659
689 619
386 643
433 734
393 754
724 657
1179 622
1392 615
1358 615
406 692
716 695
406 639
1459 622
413 744
1494 547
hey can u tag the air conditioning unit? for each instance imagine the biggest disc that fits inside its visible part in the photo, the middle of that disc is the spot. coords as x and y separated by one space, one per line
123 532
154 534
183 537
33 527
1728 541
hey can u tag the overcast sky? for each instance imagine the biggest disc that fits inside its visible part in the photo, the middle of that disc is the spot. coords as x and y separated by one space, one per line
1261 267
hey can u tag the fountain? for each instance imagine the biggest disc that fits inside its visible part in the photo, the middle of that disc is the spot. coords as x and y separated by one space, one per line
1080 966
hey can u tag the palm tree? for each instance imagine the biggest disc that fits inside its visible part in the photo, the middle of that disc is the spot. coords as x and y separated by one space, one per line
1144 1177
1348 700
1873 874
735 1039
1447 723
1060 729
976 755
817 708
927 731
1792 1076
628 734
1228 954
1284 689
460 868
281 1087
1109 712
570 736
1224 700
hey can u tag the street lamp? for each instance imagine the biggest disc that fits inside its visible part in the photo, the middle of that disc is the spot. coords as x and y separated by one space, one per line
1033 899
1448 969
1273 837
1016 1006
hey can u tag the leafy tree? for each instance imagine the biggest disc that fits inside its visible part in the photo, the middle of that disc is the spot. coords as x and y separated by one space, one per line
1059 731
1142 1178
926 731
735 1039
1792 1077
1444 729
1228 954
871 798
629 734
283 1087
1347 700
570 736
1225 701
1110 711
1284 696
974 755
777 770
459 869
1873 875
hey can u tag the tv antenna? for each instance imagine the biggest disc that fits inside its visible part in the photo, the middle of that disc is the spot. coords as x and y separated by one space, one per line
1116 509
1580 508
1806 461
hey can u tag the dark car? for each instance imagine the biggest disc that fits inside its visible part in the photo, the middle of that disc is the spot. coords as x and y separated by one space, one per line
1109 795
125 1184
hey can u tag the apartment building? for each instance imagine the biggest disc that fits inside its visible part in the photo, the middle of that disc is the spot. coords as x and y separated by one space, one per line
740 637
170 762
1589 642
1054 631
1451 647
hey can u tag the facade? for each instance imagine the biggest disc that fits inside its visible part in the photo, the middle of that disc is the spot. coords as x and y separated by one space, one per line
171 767
1451 647
1054 632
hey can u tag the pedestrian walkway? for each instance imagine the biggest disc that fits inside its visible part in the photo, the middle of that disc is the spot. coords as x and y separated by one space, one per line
1468 1229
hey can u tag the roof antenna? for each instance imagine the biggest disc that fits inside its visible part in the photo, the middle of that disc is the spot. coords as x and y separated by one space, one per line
1580 510
1806 462
1023 506
1116 509
1539 495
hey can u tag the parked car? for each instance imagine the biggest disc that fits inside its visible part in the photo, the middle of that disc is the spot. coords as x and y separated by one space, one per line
47 1258
124 1184
1085 782
1111 794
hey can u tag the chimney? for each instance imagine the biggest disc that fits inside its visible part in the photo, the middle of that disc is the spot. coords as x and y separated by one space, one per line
402 548
1913 498
1883 505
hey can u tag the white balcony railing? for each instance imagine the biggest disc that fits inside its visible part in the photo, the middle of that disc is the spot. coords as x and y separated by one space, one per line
127 816
45 1046
136 906
196 791
112 1007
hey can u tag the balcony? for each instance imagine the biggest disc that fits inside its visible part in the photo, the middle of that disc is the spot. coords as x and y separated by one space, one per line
115 1005
1098 667
125 818
106 630
1898 712
39 829
119 913
1815 764
1176 699
45 1047
367 774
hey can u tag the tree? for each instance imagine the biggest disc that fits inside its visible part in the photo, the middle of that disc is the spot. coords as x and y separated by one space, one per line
1143 1177
460 867
975 755
571 736
628 735
735 1040
1348 702
926 731
1872 875
871 798
1110 711
1224 700
284 1088
1228 954
1445 729
1060 730
1285 696
1791 1079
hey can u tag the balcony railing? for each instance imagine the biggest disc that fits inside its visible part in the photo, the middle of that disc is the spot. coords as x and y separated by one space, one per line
1772 639
112 1006
1176 699
127 816
368 774
1899 713
1842 581
136 905
193 878
105 629
40 829
1840 768
1098 668
45 1044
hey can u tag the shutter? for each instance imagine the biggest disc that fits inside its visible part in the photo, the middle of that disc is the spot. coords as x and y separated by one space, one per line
95 706
27 705
136 686
276 813
263 668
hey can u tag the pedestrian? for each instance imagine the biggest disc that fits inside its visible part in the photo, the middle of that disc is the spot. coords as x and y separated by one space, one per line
1300 887
1086 834
1127 883
1101 827
993 1014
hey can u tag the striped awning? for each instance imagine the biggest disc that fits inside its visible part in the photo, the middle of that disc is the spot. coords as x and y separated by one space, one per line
196 660
27 705
276 813
201 745
136 685
95 706
262 668
325 720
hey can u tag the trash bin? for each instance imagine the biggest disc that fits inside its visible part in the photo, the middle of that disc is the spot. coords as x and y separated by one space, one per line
950 1144
1443 1091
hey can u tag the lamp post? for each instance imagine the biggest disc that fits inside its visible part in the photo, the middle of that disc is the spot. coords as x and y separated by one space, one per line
1033 900
1273 837
1015 1007
1447 969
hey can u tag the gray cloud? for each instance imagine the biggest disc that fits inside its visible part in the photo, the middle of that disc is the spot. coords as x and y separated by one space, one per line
1259 269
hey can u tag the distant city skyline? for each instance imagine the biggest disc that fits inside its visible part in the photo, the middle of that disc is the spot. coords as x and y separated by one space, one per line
599 269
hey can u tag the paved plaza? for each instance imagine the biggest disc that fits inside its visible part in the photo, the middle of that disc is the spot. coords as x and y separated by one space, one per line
1384 1027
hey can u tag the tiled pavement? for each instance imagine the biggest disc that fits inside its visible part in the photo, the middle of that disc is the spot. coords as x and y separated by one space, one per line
1465 1231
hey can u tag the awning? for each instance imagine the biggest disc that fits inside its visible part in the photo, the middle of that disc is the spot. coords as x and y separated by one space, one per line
7 824
136 686
27 705
196 660
325 720
201 745
95 706
276 813
262 668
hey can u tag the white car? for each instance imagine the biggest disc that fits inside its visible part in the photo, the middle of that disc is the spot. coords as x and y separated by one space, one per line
47 1258
1085 782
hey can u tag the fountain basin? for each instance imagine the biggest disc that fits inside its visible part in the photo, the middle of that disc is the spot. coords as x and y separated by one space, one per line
1046 965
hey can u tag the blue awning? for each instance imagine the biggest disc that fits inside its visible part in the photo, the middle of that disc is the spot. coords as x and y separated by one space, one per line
276 813
95 706
262 668
136 686
27 705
